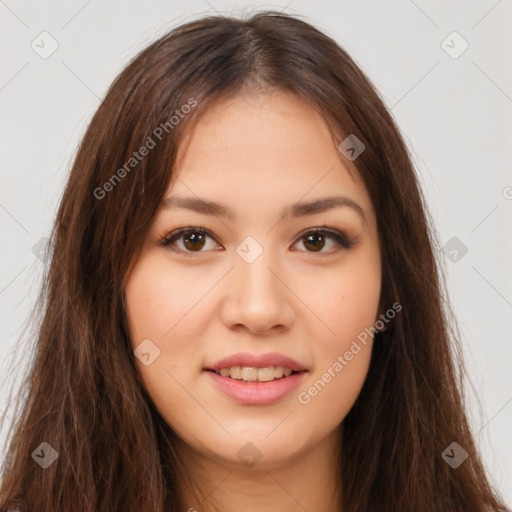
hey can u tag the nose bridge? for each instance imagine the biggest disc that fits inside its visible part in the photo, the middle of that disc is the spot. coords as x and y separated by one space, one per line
256 297
252 269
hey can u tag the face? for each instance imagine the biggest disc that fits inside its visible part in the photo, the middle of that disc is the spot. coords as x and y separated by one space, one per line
273 277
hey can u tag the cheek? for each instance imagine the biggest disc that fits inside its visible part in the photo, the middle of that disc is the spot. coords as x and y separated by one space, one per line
157 303
342 359
346 299
159 297
147 302
348 305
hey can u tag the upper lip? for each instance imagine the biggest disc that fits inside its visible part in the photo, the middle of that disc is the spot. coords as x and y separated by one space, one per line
258 361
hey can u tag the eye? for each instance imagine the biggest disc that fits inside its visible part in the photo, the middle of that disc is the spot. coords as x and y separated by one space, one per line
315 239
191 240
188 240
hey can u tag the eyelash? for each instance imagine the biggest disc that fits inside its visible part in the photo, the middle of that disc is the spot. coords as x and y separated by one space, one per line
341 240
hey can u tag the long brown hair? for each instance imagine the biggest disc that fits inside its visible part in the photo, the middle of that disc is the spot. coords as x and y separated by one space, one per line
83 396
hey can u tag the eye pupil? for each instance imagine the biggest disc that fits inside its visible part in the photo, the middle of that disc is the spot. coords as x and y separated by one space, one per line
317 245
197 240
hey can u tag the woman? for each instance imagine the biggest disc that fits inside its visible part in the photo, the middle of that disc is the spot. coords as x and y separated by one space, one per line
243 309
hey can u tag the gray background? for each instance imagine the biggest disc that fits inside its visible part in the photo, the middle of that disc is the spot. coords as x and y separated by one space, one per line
455 114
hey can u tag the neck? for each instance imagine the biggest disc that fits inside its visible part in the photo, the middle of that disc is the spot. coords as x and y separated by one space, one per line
307 482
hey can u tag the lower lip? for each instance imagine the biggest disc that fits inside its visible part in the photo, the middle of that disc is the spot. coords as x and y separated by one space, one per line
257 393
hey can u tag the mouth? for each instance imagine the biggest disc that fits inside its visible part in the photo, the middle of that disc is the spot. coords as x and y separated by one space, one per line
243 385
256 379
255 374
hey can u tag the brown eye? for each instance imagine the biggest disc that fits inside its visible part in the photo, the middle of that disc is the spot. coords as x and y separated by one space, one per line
194 241
189 240
317 239
315 242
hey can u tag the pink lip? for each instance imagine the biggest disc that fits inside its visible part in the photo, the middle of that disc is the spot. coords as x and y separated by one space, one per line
257 361
257 393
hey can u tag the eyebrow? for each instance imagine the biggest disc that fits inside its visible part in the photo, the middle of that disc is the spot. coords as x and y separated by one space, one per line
295 210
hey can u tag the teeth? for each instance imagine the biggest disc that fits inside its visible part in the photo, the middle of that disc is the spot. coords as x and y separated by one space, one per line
250 374
266 374
253 374
235 372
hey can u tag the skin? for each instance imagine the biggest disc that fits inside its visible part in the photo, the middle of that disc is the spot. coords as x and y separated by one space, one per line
257 154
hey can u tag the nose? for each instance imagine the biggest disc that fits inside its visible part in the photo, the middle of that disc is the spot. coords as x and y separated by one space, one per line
256 297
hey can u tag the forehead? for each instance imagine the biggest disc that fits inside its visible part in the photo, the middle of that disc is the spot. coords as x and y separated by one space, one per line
251 121
260 149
